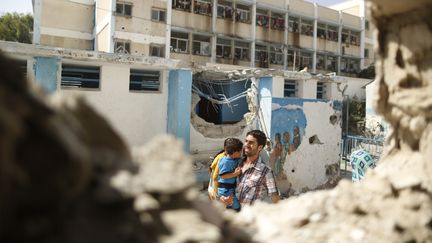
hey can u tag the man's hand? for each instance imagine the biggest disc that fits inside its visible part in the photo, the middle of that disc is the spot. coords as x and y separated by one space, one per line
237 171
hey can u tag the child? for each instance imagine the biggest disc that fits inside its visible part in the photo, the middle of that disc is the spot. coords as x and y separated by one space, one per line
214 173
228 171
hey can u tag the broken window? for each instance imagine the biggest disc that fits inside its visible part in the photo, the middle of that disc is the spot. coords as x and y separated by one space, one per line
179 42
321 90
157 50
241 51
221 101
203 7
223 48
290 88
124 9
144 80
242 13
158 15
293 24
122 46
80 76
201 45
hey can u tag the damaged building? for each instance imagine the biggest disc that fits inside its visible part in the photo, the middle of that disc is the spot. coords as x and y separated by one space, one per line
174 67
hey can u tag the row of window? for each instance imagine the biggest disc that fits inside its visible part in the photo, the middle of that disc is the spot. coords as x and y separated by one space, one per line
291 89
125 9
89 77
263 54
124 47
241 13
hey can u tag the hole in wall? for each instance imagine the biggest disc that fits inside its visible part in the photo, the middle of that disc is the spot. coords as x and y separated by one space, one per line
399 59
333 119
314 140
214 118
410 82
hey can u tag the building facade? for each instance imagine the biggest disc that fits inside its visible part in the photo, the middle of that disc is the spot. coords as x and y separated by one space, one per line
280 34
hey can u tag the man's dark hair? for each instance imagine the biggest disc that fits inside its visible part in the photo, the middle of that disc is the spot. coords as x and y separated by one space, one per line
233 145
259 136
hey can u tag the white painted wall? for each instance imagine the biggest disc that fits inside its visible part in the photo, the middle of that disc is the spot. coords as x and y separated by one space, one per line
309 161
307 89
278 87
137 116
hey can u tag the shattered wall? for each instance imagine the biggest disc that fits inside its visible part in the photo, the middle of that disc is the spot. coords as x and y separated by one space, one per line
306 136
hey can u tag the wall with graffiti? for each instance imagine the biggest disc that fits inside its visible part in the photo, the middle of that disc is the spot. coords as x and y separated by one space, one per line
305 137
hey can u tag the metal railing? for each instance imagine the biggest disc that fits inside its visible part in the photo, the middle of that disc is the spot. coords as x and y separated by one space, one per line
352 143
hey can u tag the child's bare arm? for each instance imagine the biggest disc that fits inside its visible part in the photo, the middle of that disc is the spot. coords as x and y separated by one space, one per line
236 173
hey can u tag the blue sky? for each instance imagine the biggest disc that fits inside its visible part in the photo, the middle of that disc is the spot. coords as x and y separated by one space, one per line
25 6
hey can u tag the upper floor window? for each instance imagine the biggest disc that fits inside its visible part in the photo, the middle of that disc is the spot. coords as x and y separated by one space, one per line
367 25
293 24
321 31
224 9
277 21
223 48
158 15
332 33
79 76
144 80
320 62
157 50
305 60
366 53
203 7
290 88
179 42
122 46
331 63
262 18
241 51
306 27
351 37
242 13
184 5
124 9
201 45
261 56
276 56
293 59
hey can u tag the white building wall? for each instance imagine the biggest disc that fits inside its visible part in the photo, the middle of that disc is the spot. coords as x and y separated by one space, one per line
303 168
137 116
